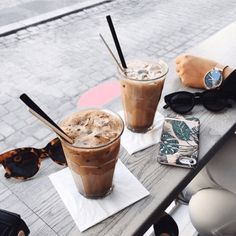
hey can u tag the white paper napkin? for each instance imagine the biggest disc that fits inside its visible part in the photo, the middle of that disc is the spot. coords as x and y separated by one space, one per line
134 142
88 212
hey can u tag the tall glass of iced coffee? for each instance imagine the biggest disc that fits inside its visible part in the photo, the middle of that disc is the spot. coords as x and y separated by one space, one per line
141 87
93 155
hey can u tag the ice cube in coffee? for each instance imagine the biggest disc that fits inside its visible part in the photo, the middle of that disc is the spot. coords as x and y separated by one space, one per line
141 87
93 155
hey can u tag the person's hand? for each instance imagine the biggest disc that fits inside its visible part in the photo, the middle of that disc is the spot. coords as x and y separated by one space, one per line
192 69
21 233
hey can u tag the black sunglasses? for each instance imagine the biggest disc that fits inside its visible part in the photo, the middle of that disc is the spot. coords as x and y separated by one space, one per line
183 101
23 163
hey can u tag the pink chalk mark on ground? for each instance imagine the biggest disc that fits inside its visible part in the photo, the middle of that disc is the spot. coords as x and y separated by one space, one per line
100 94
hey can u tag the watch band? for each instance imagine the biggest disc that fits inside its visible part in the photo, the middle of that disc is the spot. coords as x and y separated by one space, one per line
221 68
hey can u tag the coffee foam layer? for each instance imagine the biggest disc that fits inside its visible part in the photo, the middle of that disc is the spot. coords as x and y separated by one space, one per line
138 70
92 128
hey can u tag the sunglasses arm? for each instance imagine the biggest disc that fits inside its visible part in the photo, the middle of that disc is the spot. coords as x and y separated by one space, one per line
3 157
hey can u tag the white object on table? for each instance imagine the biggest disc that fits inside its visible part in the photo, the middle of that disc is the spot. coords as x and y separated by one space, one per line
88 212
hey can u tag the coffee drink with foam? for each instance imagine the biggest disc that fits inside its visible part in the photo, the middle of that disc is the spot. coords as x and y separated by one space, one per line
93 155
141 87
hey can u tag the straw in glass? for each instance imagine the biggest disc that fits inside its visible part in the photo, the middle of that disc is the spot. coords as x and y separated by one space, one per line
42 116
116 41
112 54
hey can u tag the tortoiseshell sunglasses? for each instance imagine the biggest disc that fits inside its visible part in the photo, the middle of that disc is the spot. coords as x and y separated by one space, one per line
23 163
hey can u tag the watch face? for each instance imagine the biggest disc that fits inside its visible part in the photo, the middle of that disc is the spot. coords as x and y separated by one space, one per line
213 79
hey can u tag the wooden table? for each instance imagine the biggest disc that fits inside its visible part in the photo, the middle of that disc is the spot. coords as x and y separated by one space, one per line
40 205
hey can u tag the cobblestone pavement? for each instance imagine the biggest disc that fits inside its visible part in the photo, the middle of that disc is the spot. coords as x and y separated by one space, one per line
56 62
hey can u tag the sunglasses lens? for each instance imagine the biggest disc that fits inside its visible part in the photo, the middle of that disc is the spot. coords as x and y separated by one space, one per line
181 102
214 101
21 163
56 152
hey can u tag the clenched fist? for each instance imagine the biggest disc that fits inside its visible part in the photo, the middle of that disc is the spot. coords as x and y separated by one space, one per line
192 70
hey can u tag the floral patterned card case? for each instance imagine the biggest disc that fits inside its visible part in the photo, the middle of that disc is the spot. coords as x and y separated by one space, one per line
179 142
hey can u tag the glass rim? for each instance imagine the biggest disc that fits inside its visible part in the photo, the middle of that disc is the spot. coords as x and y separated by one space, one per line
159 61
102 145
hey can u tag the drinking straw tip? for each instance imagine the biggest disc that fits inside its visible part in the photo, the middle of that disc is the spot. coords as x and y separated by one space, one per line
23 96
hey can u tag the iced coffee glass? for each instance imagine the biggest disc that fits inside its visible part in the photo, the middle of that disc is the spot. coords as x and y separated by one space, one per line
141 88
94 153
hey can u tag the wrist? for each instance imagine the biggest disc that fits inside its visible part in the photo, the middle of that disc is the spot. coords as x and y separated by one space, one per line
227 71
223 69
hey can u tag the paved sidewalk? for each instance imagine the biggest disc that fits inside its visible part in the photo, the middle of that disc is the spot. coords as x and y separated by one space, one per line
34 12
56 62
16 10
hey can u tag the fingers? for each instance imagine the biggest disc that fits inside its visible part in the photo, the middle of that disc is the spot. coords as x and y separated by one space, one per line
179 61
181 58
179 72
178 67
